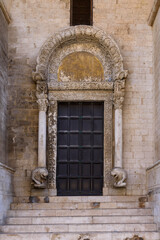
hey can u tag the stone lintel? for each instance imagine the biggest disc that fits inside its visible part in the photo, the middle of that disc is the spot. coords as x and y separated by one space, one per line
153 13
5 12
61 86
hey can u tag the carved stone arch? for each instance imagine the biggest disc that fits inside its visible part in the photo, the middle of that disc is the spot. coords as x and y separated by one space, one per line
109 89
80 34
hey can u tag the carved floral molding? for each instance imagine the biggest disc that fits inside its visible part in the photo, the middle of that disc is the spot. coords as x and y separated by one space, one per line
74 35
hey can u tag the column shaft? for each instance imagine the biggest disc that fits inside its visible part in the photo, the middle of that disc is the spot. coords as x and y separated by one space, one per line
118 138
42 140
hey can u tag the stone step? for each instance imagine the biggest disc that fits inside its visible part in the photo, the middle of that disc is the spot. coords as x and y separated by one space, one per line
76 212
60 228
76 205
80 220
80 236
81 199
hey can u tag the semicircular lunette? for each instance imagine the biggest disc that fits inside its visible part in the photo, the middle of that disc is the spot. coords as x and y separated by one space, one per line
80 66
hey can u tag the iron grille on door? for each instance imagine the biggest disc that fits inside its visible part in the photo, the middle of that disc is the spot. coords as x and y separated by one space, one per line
80 148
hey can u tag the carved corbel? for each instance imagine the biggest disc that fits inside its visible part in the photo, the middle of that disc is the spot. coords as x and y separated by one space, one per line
120 177
121 75
39 177
37 76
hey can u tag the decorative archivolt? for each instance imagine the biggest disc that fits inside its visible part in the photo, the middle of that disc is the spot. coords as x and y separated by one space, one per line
98 45
89 39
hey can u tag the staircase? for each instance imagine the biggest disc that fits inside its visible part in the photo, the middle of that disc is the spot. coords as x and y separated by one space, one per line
81 218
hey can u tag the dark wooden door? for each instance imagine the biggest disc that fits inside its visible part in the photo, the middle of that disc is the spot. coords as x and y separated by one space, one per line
80 148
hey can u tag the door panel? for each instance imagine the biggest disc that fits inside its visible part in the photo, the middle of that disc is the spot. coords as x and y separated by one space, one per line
80 148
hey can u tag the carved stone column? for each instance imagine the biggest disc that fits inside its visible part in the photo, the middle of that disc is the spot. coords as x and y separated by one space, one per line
39 175
42 103
118 172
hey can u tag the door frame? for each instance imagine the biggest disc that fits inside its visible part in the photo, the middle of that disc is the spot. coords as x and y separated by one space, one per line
56 96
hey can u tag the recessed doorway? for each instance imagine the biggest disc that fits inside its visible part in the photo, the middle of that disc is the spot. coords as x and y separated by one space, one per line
80 134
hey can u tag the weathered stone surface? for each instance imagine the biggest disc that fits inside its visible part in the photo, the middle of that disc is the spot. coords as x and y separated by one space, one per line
26 36
6 190
3 86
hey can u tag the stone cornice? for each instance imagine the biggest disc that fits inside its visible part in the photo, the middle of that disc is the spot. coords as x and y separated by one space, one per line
153 13
9 169
5 12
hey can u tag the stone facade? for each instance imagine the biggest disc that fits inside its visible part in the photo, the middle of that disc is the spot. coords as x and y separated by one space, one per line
156 39
153 177
3 85
6 190
39 28
26 36
153 172
6 173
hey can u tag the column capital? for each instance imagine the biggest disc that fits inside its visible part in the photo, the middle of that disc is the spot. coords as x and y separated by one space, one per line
41 94
41 89
119 91
42 104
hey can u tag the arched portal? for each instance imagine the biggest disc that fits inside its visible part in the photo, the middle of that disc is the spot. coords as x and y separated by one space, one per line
80 64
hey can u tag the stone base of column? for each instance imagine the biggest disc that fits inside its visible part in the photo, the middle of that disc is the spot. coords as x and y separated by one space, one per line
114 191
43 192
52 192
117 192
39 192
105 191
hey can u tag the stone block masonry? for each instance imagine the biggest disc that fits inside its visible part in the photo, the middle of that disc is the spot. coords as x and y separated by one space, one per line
3 85
33 22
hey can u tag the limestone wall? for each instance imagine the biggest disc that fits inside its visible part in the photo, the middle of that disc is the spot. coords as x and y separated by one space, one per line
153 177
6 173
153 173
3 85
32 23
6 190
156 44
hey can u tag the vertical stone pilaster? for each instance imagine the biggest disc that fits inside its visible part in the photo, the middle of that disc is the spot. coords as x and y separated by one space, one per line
39 175
42 103
118 172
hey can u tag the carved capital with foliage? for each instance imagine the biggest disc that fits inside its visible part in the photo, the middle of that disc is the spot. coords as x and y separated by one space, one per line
37 76
42 104
41 90
119 92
